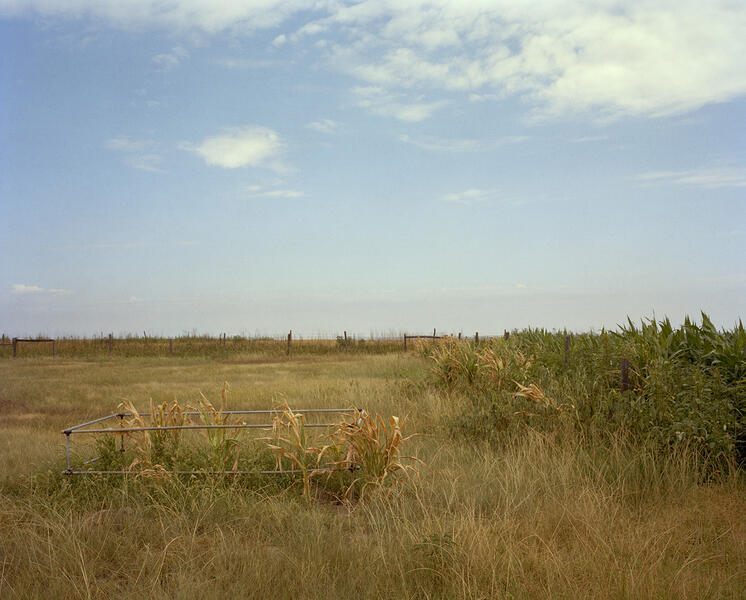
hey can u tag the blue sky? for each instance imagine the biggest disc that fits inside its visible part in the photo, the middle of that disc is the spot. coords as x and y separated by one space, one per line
253 167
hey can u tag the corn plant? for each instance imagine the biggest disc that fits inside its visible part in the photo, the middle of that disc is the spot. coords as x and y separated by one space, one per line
289 442
372 447
541 401
224 442
150 447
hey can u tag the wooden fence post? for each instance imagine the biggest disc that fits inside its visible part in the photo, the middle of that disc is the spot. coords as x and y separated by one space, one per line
567 350
290 338
346 349
223 340
111 343
459 335
476 337
15 347
405 342
433 332
624 383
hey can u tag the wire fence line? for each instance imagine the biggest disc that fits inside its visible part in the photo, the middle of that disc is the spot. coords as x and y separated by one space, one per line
188 345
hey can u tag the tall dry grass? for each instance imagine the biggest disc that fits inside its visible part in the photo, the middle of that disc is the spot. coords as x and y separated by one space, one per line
553 514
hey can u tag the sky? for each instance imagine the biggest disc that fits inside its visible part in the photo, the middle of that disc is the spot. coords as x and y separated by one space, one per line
370 166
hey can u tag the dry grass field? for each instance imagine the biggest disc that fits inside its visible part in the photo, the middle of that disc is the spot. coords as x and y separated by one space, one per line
539 514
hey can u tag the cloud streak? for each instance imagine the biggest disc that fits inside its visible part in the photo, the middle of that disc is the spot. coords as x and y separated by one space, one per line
23 289
258 191
169 60
432 144
471 196
136 153
712 178
326 126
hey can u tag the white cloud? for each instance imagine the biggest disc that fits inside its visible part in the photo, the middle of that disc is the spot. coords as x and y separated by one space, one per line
20 288
280 40
642 57
471 196
323 126
705 178
250 146
169 60
461 145
638 57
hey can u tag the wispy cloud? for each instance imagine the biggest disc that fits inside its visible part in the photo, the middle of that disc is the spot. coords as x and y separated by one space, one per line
461 145
471 197
145 162
323 126
169 60
127 245
258 191
250 146
246 63
612 59
136 153
588 138
711 178
177 15
383 102
125 143
20 288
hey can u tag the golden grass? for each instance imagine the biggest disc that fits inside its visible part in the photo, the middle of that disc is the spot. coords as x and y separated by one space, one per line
542 516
